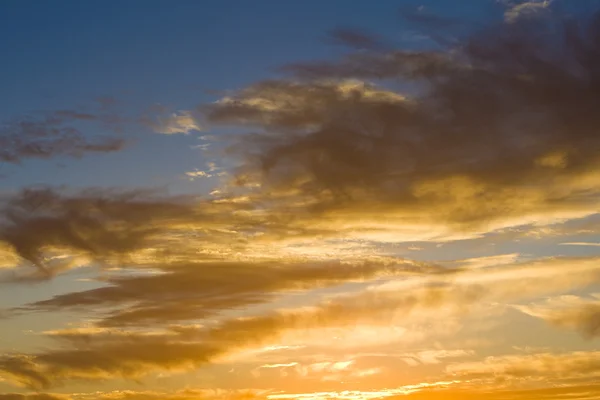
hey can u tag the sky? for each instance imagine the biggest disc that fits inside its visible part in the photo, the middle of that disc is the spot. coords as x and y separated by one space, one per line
303 200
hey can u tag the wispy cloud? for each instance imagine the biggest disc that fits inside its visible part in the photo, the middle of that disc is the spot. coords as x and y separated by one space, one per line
177 122
58 134
569 311
525 9
581 244
541 366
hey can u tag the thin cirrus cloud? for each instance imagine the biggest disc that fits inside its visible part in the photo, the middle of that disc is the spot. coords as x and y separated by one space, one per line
547 366
581 244
173 123
527 9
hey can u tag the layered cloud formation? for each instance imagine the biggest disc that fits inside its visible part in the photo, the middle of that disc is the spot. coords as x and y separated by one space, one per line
293 279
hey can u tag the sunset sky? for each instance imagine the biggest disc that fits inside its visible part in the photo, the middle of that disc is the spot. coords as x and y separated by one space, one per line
303 200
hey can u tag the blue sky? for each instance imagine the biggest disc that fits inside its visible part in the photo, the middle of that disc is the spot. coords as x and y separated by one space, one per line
66 54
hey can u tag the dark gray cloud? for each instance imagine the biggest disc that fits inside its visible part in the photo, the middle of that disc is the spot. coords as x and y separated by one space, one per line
97 223
58 134
484 118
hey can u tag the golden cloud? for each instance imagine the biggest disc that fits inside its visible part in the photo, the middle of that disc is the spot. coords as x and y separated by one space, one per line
103 353
501 133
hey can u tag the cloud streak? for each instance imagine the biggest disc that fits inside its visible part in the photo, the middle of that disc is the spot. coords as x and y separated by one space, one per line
201 290
568 311
58 134
104 353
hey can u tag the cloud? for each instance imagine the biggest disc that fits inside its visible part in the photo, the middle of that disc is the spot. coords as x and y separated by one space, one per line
547 367
526 9
487 261
496 133
326 370
56 229
103 354
58 134
185 394
456 156
581 244
108 353
179 122
296 105
403 391
424 391
433 356
96 224
211 171
569 311
200 290
574 392
37 396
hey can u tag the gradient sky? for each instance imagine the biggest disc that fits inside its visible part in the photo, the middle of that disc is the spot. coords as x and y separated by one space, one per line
300 200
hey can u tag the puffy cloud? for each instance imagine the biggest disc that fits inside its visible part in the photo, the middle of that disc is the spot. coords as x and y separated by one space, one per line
96 224
498 133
